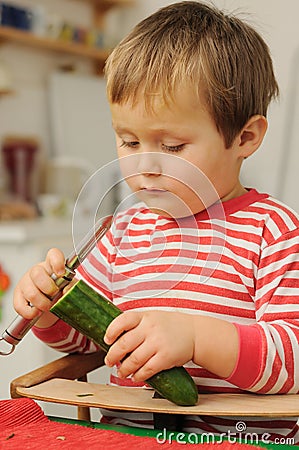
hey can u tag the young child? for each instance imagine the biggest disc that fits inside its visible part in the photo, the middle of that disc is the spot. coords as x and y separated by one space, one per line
189 89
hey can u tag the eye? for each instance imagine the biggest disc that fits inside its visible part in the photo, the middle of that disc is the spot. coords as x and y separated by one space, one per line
132 144
173 148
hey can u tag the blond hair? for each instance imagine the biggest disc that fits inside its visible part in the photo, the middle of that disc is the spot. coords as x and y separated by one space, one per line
192 44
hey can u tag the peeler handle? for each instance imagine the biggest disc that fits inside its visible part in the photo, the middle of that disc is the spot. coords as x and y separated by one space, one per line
20 326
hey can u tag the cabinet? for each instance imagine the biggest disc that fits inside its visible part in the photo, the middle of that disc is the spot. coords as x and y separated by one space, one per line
98 55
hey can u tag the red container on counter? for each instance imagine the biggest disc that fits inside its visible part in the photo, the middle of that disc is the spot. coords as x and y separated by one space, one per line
19 157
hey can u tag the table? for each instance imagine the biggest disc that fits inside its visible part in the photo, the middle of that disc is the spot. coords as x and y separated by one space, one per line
162 437
24 425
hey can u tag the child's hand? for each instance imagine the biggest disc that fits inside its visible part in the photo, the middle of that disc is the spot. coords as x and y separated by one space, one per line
152 341
36 286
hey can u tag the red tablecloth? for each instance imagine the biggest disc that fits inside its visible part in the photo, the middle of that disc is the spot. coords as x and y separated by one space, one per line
23 426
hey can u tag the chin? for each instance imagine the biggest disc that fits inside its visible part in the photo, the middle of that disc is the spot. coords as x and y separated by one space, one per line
175 212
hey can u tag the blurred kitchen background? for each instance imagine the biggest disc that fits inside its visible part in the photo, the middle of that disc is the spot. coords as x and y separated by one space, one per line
55 129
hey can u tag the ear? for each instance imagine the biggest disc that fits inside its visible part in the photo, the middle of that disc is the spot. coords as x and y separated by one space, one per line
252 135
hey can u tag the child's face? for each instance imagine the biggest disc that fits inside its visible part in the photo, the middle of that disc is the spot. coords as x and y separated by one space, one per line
173 157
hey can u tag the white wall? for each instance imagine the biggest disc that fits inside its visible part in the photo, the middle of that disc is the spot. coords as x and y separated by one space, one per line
27 110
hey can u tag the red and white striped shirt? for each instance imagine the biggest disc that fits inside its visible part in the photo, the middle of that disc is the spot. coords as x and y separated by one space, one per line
237 261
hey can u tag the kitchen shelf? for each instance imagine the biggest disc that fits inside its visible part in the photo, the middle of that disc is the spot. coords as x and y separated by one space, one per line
9 34
96 54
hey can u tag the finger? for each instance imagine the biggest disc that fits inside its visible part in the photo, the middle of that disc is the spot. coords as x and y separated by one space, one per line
123 322
126 344
32 289
55 262
135 361
23 307
152 366
39 277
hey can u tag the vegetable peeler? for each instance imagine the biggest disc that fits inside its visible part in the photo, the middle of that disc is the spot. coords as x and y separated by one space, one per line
20 326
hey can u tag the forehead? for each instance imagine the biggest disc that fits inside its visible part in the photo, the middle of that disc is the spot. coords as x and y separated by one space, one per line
182 117
155 104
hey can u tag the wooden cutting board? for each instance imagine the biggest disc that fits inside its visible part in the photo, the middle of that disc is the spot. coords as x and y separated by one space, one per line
138 399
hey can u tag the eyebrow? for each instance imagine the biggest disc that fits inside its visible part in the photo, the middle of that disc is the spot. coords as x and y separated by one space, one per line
119 129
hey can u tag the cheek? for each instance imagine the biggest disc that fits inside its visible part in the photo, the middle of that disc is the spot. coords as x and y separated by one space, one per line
194 184
133 184
128 167
190 197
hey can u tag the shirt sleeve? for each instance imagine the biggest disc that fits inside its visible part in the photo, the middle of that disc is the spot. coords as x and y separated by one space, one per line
63 338
249 361
268 357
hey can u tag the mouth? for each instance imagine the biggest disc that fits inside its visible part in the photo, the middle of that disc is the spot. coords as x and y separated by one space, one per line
153 190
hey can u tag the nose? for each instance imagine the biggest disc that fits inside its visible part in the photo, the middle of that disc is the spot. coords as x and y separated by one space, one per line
149 163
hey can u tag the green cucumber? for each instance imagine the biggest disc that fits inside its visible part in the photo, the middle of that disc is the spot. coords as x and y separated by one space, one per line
90 313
